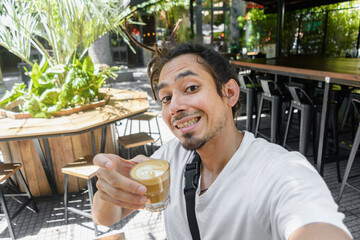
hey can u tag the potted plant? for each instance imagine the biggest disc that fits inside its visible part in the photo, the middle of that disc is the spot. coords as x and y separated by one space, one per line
61 31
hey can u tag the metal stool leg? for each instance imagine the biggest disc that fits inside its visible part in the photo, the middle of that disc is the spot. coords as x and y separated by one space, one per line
275 121
27 190
91 194
157 124
288 125
6 213
259 116
350 162
305 124
249 109
66 184
146 151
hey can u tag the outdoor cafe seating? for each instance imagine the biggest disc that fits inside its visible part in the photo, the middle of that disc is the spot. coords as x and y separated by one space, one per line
7 171
251 89
85 169
351 159
274 95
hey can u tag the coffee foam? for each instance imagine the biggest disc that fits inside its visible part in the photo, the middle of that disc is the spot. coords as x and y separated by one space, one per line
149 169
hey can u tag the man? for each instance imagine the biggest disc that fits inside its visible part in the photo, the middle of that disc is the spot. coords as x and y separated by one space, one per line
248 189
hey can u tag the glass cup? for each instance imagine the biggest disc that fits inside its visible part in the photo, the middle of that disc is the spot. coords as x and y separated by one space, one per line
155 175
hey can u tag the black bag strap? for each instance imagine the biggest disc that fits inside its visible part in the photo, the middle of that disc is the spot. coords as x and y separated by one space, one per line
192 175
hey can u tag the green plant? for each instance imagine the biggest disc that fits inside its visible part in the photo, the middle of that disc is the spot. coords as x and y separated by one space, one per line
46 95
169 12
62 31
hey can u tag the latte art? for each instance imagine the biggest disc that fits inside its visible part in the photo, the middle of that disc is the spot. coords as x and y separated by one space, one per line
155 175
150 170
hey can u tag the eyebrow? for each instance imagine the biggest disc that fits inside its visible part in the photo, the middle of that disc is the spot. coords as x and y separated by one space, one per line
178 77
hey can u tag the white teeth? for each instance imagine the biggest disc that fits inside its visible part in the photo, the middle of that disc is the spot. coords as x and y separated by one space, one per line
188 123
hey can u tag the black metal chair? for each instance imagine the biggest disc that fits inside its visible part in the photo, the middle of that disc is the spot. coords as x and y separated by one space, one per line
351 159
273 94
7 170
355 94
250 88
309 112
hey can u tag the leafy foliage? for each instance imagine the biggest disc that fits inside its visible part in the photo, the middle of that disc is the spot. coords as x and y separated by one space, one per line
61 31
49 92
58 28
169 12
341 30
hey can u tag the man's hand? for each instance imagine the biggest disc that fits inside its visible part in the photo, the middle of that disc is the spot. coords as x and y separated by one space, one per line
319 231
118 195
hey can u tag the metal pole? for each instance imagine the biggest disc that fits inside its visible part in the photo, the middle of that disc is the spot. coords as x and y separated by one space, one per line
358 43
325 33
298 35
2 84
198 16
192 19
279 26
212 22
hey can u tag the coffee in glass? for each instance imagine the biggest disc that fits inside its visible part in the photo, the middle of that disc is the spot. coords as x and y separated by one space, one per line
155 175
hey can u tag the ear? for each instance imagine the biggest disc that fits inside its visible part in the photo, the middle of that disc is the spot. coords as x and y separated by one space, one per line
232 91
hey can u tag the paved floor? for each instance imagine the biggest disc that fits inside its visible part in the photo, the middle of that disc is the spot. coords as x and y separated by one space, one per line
49 222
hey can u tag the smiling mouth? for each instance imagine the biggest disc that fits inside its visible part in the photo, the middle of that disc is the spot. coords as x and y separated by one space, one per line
188 123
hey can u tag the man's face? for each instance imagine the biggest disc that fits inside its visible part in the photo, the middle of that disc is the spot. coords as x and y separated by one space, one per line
191 106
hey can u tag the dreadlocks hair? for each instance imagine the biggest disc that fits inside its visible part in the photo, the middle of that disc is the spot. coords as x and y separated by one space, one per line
219 68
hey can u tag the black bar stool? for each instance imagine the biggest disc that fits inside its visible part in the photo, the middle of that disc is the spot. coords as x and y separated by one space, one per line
355 94
354 149
274 95
309 113
250 88
6 171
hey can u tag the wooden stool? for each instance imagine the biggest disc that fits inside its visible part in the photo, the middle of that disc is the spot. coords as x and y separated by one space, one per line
135 140
147 116
6 171
85 169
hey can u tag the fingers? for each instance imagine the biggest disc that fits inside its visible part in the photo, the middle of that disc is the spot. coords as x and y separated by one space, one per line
119 196
105 197
114 183
119 181
110 161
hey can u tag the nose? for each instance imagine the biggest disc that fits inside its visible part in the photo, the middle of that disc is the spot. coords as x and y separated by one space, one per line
177 104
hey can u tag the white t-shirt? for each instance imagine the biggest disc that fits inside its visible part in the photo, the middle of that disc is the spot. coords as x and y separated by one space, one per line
264 192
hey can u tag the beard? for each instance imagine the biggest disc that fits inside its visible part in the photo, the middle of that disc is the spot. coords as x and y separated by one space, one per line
190 142
193 143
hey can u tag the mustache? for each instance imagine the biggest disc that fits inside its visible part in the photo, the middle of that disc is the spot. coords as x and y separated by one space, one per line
183 115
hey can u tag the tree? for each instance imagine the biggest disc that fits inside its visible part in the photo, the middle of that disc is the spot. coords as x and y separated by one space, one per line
61 31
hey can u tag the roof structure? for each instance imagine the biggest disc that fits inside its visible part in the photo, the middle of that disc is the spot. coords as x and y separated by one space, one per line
271 5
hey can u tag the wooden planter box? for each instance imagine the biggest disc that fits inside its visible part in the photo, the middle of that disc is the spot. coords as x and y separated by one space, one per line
69 138
64 150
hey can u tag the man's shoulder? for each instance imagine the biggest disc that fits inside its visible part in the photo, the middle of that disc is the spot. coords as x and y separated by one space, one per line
267 153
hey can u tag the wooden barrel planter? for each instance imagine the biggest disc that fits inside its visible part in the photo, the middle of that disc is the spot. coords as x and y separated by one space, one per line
69 138
63 150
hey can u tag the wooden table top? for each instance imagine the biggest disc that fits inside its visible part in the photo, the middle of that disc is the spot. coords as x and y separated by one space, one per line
122 104
339 70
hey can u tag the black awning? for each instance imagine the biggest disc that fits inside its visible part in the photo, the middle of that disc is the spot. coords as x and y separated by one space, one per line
270 5
136 2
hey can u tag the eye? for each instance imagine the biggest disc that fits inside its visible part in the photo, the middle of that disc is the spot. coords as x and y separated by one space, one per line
165 100
192 88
